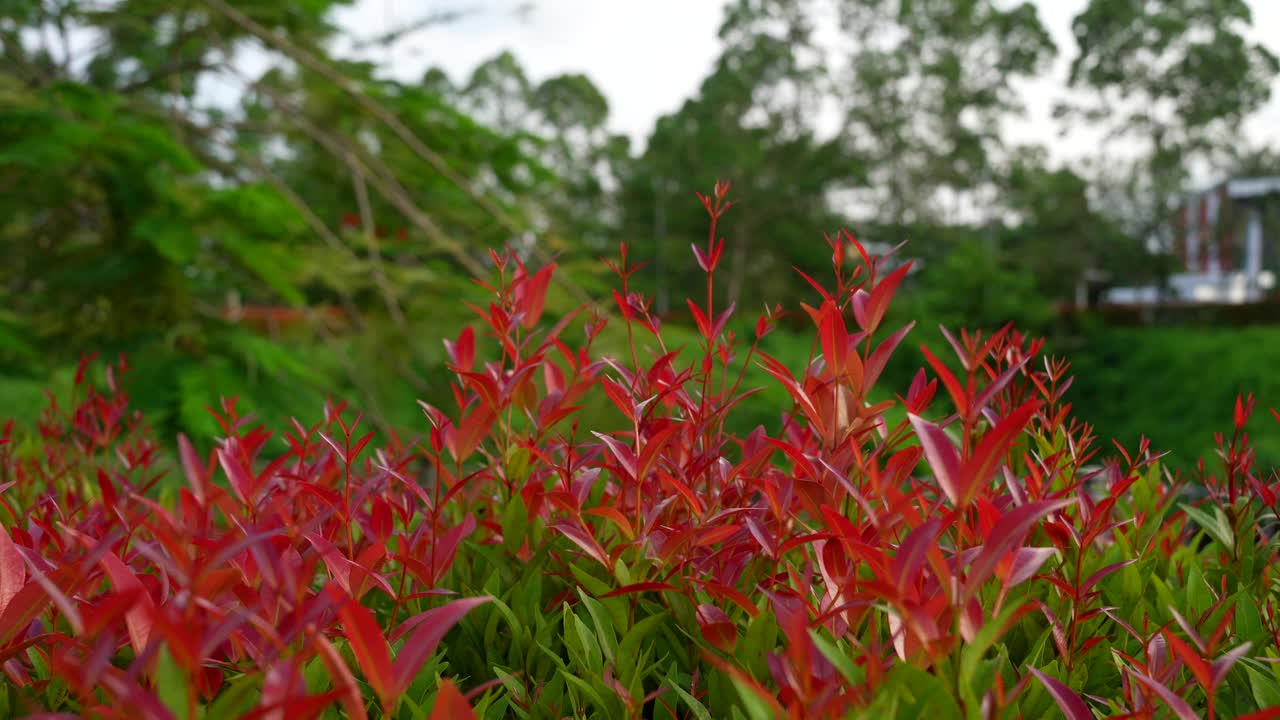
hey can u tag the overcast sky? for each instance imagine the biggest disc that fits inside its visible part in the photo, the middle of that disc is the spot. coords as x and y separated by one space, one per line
647 57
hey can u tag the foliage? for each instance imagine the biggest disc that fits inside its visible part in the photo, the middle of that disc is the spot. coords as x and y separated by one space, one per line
1174 380
1176 78
293 239
752 118
929 85
849 559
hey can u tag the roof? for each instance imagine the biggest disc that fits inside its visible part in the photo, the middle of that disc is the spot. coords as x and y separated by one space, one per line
1242 188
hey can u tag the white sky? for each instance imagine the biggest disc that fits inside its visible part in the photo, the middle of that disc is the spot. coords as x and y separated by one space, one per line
647 56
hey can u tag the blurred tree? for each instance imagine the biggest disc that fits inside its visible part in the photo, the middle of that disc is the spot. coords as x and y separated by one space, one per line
1057 236
138 218
928 87
1173 78
752 122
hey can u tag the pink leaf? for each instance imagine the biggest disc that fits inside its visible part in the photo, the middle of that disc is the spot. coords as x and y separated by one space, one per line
1175 703
584 541
137 619
1008 534
432 626
1223 664
1070 703
1026 563
370 648
13 572
912 552
943 459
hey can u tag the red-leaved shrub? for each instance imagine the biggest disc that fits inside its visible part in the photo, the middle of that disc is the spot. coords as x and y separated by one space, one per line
970 553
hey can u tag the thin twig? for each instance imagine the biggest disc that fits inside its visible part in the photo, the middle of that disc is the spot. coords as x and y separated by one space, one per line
312 62
375 249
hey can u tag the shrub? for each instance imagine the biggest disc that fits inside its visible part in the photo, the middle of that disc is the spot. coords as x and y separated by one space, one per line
853 559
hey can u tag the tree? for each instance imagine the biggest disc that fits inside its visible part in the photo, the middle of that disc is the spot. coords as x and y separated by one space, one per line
1173 78
139 219
751 122
928 86
1057 235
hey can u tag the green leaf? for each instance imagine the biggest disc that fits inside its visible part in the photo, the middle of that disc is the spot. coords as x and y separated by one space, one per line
1249 620
1266 691
1199 597
632 640
595 697
171 683
760 638
236 698
515 523
175 240
1216 526
698 709
594 585
604 632
841 660
266 261
756 706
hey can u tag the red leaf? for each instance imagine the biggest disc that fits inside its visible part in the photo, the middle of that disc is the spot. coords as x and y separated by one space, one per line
381 521
623 454
344 682
995 444
957 393
834 337
1070 703
138 619
238 477
614 516
450 705
620 396
1025 564
998 384
880 356
1270 713
720 591
1175 703
430 628
700 257
640 587
532 295
463 352
1223 664
584 541
685 491
369 646
1097 576
699 317
881 294
57 597
1008 534
13 572
716 627
943 458
1199 668
301 707
913 551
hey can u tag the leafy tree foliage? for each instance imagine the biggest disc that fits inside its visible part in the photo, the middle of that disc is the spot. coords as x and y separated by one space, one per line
1176 78
929 85
753 121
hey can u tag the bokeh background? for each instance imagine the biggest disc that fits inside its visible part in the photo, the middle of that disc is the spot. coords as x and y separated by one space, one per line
285 200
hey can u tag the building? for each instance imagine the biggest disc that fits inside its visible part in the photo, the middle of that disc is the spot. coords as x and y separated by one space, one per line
1227 241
